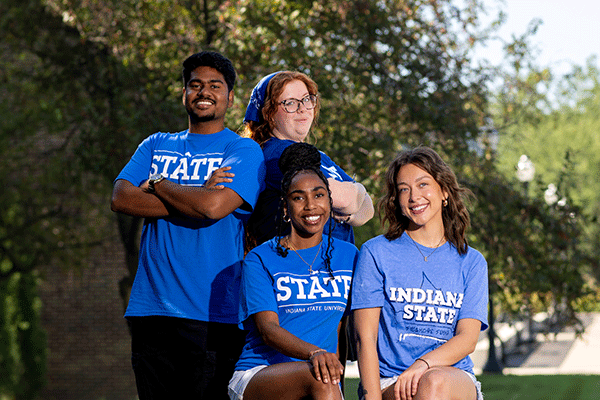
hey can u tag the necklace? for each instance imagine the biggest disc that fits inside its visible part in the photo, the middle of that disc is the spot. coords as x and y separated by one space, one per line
430 254
310 270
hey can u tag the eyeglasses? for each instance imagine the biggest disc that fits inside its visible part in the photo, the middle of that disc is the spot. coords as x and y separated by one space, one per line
293 105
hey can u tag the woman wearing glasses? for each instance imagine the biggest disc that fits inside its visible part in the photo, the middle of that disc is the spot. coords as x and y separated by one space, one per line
281 111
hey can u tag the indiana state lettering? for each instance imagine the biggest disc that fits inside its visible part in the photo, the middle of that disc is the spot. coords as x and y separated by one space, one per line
427 305
185 168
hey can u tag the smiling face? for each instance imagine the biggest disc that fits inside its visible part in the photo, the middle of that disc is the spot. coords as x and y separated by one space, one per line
308 206
293 126
420 197
207 98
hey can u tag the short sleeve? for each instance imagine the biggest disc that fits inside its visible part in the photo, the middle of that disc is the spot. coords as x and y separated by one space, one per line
367 283
256 292
332 170
476 290
138 168
248 164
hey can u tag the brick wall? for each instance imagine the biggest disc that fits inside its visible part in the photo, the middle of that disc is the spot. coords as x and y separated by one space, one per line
88 340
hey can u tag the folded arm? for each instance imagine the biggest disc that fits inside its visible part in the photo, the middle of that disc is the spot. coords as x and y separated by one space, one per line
171 198
351 202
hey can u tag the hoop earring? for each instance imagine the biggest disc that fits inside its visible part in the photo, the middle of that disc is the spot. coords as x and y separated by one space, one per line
445 203
286 218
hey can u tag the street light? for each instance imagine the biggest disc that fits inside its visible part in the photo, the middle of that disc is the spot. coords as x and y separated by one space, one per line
525 171
551 196
525 174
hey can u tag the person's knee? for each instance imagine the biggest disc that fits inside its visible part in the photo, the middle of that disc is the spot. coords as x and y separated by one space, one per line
322 390
433 385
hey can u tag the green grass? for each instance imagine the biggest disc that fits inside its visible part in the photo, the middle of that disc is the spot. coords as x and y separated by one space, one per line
534 387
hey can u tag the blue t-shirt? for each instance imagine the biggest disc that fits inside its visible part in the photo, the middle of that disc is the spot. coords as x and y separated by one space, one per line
421 301
191 268
263 223
310 306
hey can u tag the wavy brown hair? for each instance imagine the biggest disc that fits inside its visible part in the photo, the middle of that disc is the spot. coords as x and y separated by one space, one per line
261 131
455 215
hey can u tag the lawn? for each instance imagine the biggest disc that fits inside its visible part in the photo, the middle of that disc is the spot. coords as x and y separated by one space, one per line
534 387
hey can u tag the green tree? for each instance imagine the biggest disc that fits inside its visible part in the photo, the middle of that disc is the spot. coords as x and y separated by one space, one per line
554 262
83 82
569 132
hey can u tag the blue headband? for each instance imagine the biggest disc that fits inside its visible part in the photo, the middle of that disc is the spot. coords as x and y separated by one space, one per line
257 99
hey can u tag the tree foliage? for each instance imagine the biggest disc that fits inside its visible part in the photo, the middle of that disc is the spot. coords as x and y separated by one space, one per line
83 82
553 120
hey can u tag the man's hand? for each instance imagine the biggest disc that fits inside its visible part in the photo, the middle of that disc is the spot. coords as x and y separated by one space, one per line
219 176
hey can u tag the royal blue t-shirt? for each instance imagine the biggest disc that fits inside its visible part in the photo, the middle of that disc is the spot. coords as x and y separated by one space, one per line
191 268
310 306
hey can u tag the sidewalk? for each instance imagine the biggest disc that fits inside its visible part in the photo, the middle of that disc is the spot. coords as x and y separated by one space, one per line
553 354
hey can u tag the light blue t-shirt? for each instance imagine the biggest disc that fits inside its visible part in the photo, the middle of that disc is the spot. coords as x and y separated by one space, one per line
190 268
421 301
309 306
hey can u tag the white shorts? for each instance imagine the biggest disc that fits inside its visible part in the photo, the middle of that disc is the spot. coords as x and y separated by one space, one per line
239 381
384 383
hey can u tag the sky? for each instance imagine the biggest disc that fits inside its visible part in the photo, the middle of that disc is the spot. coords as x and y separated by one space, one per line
568 35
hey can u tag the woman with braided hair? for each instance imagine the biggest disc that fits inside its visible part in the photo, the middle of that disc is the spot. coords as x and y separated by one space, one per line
294 294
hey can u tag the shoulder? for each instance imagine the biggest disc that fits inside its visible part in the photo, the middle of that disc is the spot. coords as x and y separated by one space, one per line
325 159
343 246
159 137
474 255
264 250
381 242
472 262
274 147
236 141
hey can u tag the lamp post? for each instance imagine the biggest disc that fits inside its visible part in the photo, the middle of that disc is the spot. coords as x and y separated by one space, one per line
525 174
492 365
551 196
525 171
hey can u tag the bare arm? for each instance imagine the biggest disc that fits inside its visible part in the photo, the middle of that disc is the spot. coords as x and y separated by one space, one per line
170 197
364 213
366 326
327 366
351 199
133 200
219 176
458 347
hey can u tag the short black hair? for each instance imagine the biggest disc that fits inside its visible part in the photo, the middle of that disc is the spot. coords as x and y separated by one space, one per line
211 59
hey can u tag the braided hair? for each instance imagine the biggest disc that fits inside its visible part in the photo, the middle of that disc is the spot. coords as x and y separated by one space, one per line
295 159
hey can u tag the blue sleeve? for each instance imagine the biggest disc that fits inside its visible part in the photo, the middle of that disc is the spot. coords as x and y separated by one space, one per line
138 168
367 284
476 291
247 163
257 292
332 170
